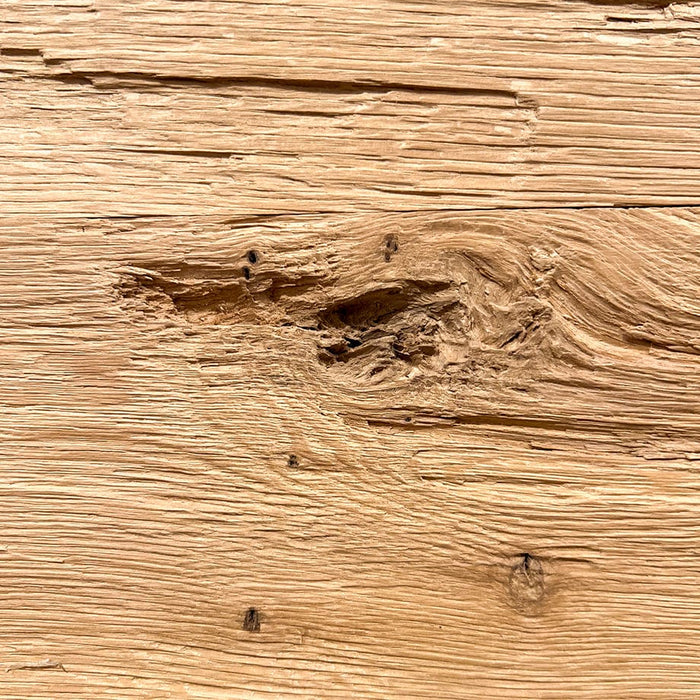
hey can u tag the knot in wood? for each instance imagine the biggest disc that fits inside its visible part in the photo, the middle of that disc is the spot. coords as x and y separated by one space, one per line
526 584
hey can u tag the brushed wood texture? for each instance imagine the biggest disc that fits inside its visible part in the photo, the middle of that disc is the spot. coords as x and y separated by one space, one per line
349 350
410 455
239 107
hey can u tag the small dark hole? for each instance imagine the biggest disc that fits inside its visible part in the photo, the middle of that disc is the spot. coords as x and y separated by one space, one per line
341 313
246 272
251 620
293 461
408 419
252 257
391 247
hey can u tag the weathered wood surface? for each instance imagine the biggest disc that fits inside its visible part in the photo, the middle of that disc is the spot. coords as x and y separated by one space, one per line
212 107
282 417
362 449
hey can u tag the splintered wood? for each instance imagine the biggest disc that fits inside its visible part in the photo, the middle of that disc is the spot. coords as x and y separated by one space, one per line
349 350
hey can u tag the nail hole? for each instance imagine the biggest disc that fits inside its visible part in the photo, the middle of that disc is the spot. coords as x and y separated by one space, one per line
293 461
252 257
246 272
251 620
391 246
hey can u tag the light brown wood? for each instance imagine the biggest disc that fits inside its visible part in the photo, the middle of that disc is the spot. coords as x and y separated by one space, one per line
349 351
182 444
235 108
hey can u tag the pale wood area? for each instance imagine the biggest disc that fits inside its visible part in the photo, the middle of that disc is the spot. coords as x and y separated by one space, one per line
330 368
240 107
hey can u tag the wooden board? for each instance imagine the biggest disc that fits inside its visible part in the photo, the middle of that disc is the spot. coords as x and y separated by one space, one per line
330 367
239 108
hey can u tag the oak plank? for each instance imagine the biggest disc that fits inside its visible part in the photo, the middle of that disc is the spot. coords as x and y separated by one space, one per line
229 108
184 441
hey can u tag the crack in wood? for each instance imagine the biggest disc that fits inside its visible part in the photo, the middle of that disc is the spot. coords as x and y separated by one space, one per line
343 87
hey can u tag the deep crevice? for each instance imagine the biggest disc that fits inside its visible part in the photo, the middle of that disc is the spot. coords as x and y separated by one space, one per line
302 84
18 52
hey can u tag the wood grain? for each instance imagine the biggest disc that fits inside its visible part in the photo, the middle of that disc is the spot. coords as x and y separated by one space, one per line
506 507
210 108
349 350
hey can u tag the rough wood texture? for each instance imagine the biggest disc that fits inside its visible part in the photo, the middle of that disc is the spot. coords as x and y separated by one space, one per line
279 420
238 107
